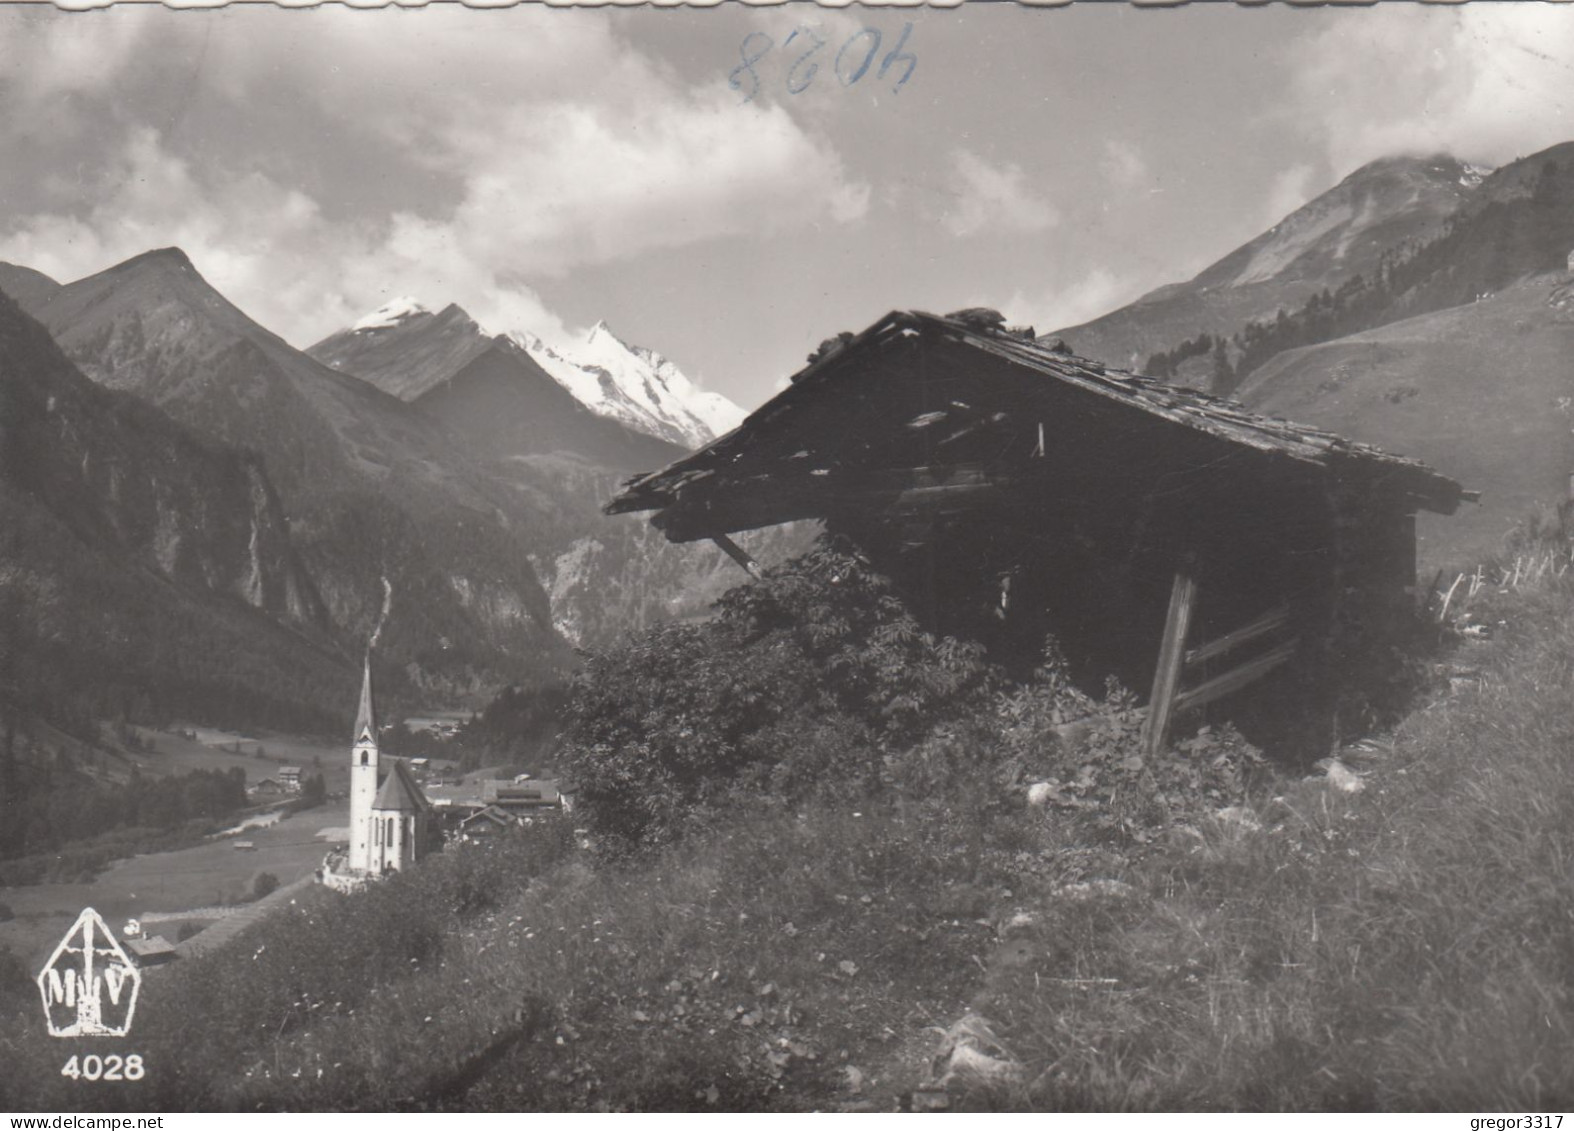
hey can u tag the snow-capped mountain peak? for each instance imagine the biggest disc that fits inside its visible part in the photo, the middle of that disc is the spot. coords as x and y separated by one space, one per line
635 386
389 314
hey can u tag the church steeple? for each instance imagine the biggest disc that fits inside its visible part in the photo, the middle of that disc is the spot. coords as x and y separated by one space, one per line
363 776
365 720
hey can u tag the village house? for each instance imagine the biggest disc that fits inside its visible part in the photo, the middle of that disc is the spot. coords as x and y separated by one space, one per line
1215 559
152 950
516 799
520 796
486 823
290 778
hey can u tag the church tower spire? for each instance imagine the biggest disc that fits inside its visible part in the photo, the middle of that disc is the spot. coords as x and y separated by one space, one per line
365 719
363 776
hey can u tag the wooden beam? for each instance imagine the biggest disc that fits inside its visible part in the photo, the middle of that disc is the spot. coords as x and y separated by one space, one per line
1266 623
738 554
1172 652
1249 672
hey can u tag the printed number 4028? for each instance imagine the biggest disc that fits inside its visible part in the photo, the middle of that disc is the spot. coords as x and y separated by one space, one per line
94 1067
849 64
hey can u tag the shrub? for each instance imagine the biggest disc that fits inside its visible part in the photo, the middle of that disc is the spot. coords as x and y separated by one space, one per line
264 884
817 681
797 685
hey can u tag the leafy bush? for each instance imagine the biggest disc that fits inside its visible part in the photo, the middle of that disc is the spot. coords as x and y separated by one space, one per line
817 681
265 884
799 684
1085 757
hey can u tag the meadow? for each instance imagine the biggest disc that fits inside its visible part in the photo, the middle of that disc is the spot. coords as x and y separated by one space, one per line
206 875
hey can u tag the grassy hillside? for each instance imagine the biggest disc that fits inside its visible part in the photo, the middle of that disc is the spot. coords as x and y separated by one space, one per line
1184 943
1481 392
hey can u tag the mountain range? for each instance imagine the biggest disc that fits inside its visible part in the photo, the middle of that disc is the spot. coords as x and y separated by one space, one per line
405 349
201 519
1342 233
636 386
563 434
433 488
143 567
1421 305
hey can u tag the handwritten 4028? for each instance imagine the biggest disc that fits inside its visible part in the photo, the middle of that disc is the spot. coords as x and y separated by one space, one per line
805 49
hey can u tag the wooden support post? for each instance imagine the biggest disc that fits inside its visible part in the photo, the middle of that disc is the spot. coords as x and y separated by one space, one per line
1263 625
1172 657
1249 672
738 554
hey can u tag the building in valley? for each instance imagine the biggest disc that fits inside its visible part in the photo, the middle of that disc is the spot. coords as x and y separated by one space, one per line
390 818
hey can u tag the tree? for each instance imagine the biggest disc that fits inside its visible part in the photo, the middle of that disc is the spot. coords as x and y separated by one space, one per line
314 791
1223 371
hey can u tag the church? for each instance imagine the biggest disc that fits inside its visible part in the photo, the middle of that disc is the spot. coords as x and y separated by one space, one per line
390 822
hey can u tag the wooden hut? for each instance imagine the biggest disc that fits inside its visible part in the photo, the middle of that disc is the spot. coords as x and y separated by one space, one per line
1164 536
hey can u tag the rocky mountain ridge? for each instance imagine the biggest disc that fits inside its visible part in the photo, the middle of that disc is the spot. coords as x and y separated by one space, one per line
405 349
1334 237
374 489
142 567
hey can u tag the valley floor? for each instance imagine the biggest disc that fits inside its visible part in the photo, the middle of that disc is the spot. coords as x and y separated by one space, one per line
203 878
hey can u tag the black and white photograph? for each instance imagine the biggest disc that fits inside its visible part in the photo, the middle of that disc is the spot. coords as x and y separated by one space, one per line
787 558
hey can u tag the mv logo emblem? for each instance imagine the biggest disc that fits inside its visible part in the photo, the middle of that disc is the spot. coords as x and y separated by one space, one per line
89 984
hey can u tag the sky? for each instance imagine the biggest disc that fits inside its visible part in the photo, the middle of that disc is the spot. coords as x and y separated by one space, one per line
729 186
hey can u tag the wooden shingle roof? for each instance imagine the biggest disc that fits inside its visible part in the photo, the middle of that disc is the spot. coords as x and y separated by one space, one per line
751 457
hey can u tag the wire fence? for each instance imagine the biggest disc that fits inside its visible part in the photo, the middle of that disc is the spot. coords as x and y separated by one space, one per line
1527 570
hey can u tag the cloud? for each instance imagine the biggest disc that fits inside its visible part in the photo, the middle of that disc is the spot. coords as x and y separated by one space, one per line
1486 82
1290 188
555 145
47 54
1123 164
1095 293
573 184
572 147
995 198
267 247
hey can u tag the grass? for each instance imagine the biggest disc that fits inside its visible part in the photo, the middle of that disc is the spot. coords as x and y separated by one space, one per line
1402 947
208 874
1420 387
1405 947
749 970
